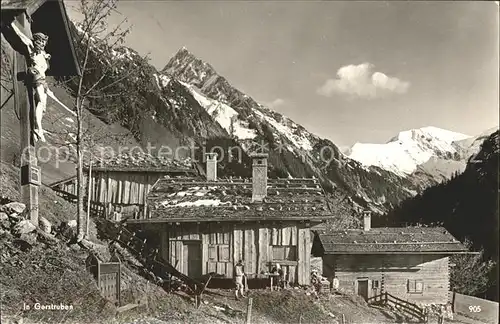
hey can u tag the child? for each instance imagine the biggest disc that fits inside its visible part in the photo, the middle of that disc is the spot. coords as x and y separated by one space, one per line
239 273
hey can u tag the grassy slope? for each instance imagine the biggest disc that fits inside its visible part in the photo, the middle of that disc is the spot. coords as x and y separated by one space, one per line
292 306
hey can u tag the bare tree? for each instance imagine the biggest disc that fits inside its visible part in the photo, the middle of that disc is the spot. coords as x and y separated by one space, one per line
101 82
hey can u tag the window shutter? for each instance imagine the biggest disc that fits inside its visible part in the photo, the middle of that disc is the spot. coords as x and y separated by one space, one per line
291 253
419 286
212 252
223 252
278 253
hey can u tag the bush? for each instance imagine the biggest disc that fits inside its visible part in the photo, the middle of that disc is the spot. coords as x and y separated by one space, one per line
471 274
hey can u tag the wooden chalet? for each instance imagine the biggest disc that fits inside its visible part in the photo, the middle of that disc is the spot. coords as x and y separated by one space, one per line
410 263
207 224
122 182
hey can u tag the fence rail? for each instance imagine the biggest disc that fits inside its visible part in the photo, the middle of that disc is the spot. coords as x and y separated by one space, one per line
65 195
385 299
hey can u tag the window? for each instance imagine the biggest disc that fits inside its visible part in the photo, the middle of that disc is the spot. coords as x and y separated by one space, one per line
284 253
415 286
219 253
375 284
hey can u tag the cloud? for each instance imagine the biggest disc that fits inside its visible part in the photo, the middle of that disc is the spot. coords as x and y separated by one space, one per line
275 103
360 80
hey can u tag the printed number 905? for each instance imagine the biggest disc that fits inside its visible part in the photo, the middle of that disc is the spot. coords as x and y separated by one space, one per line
474 309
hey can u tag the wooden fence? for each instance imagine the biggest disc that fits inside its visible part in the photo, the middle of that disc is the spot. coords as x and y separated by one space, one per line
411 309
108 277
66 195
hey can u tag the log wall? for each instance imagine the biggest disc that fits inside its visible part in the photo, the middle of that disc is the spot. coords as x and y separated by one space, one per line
394 273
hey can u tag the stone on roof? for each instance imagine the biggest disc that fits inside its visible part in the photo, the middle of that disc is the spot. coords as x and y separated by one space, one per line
390 239
139 161
195 199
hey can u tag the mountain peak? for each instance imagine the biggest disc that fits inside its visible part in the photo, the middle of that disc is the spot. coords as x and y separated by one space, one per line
404 153
429 132
187 67
183 51
181 55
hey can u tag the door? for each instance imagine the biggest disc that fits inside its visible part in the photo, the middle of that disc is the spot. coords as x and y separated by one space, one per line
363 288
192 259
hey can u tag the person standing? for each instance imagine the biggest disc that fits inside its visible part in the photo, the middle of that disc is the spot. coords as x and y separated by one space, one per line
280 276
441 315
335 285
239 273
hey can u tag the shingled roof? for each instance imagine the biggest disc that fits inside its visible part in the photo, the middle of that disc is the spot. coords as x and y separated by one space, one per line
196 199
131 161
389 240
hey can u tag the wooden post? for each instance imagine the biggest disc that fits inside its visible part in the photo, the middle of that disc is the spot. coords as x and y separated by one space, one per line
89 193
24 101
118 284
249 311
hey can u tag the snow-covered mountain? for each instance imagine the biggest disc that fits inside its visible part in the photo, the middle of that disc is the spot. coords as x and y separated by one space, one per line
470 146
437 152
188 102
239 114
294 151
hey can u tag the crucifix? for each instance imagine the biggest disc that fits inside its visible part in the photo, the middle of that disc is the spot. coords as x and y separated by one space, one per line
37 61
30 64
51 28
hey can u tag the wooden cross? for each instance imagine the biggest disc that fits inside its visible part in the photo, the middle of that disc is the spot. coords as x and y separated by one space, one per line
24 102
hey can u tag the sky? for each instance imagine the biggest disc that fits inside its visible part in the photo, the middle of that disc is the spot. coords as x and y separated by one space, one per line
347 71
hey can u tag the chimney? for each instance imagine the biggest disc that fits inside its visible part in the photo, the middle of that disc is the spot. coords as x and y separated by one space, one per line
367 220
259 176
211 159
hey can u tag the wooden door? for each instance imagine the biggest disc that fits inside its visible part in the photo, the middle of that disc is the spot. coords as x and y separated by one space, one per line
363 288
192 259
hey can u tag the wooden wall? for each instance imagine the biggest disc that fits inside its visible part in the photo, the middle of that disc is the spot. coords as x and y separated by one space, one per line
122 187
126 189
393 272
223 244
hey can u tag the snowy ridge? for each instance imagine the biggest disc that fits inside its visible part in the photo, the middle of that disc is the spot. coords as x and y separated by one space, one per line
290 130
405 152
472 145
161 80
226 116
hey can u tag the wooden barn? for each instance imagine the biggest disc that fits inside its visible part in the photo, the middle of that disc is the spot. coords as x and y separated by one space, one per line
206 225
123 182
410 263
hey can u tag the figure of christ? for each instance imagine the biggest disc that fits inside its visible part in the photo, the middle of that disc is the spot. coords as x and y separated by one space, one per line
38 63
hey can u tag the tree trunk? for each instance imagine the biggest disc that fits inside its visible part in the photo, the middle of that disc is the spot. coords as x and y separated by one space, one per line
81 216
